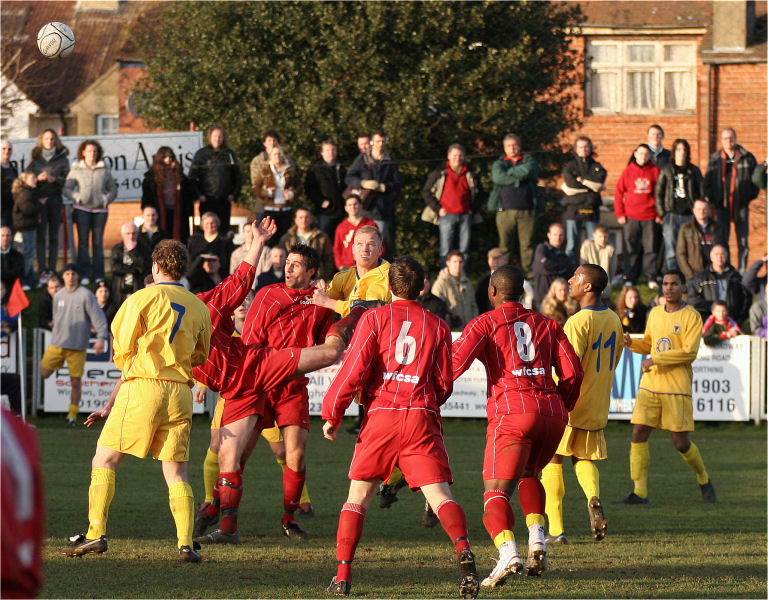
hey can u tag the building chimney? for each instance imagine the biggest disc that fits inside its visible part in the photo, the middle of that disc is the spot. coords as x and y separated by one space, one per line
732 23
107 5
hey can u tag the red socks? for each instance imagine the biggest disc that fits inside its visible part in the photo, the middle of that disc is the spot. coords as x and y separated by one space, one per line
497 515
230 492
293 485
213 508
348 534
454 521
531 495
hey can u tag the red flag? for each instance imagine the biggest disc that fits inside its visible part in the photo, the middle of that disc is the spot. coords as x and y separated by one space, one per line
17 300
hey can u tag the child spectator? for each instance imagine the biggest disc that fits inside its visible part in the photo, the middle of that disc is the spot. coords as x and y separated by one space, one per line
719 326
631 310
598 251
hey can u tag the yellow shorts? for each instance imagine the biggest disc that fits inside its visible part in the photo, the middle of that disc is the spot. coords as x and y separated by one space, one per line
272 435
150 414
673 412
54 358
217 412
587 445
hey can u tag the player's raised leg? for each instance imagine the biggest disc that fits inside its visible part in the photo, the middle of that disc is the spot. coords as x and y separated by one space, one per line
589 479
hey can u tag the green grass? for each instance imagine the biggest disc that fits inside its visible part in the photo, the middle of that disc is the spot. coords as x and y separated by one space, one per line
676 547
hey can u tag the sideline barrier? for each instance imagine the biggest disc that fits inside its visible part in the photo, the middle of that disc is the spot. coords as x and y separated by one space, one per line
99 378
729 381
729 384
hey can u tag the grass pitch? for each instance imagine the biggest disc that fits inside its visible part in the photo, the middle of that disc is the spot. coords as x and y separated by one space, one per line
675 547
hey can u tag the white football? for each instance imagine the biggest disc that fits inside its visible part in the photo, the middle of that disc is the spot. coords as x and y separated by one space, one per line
55 40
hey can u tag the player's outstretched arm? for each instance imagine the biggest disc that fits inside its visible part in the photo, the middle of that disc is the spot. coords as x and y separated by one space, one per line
261 233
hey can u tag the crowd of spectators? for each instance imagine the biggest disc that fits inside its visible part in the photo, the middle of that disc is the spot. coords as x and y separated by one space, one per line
671 217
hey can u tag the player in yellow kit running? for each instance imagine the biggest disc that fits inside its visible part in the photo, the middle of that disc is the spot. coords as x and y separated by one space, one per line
160 333
664 401
596 335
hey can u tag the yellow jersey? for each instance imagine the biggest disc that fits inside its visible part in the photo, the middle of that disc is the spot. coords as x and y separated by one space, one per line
672 340
161 332
346 287
597 337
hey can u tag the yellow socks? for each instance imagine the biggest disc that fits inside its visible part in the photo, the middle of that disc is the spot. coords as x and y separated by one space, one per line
304 491
100 494
589 478
504 536
210 473
182 503
534 519
639 459
74 409
552 480
396 476
693 458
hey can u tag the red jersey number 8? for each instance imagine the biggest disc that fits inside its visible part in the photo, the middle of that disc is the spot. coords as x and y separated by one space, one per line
405 345
526 350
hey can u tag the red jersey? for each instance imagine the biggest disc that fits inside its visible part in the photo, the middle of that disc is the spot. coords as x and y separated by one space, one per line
519 348
399 358
223 363
23 512
342 242
281 317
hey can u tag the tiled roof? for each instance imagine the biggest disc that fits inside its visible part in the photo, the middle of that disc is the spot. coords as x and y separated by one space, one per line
99 34
666 14
662 13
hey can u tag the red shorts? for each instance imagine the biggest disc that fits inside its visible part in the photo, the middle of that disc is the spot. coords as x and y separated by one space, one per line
516 443
409 439
263 369
288 404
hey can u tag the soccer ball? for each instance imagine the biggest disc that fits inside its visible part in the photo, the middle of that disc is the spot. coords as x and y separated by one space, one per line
55 40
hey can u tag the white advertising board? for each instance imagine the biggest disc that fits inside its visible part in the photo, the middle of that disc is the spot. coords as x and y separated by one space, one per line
128 155
99 378
8 362
721 385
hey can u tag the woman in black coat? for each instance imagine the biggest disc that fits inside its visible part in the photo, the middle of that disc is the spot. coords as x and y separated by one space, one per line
170 192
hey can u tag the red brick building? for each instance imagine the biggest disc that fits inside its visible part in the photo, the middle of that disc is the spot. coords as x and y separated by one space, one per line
694 68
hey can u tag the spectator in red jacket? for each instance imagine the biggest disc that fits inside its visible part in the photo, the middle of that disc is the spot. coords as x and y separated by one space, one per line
635 208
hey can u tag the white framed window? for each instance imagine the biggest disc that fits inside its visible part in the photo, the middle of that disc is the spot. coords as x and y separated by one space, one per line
107 124
640 76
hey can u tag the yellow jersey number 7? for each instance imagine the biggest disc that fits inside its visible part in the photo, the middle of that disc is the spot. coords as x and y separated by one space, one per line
181 309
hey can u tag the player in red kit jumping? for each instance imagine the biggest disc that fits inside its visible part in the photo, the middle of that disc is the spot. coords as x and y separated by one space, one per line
243 374
527 413
283 316
399 361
